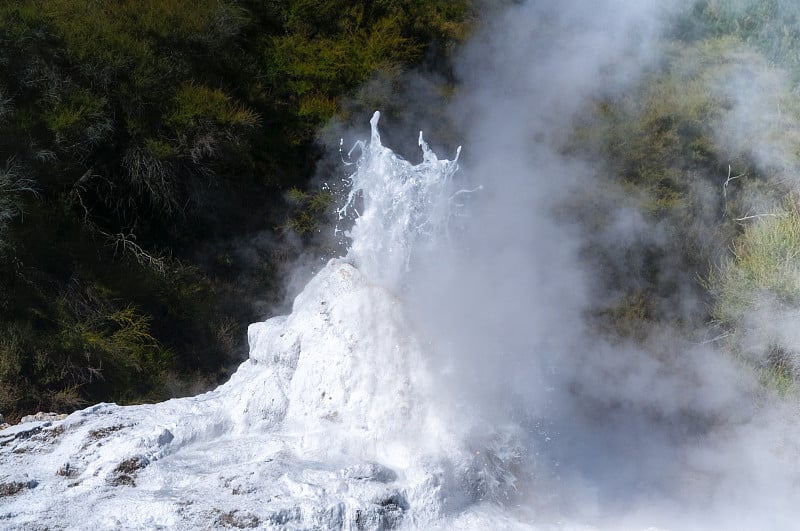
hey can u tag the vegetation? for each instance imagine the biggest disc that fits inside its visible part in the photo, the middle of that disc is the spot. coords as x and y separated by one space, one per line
662 158
138 136
757 291
769 26
724 201
764 263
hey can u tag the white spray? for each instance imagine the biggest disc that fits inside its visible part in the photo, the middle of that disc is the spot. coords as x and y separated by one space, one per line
402 206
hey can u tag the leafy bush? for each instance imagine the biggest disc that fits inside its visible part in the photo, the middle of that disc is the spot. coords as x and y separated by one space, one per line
757 297
195 104
656 152
770 26
79 118
330 48
13 184
156 131
311 211
109 356
765 262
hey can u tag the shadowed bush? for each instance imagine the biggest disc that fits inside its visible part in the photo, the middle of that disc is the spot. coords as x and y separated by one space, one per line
163 137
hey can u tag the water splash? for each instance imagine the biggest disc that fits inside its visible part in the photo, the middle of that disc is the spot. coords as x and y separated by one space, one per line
397 207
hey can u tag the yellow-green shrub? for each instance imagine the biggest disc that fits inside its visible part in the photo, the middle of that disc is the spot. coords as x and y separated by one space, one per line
765 262
194 104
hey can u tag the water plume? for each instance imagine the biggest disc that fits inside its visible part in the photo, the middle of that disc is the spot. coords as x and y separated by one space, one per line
400 206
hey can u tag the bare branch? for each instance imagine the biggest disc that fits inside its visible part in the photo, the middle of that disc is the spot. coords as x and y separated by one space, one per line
727 182
77 188
126 243
718 338
756 216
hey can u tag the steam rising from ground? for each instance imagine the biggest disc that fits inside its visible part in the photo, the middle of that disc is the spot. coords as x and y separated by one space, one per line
669 432
449 369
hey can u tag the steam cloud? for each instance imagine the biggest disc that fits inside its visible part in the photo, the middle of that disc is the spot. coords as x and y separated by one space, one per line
668 432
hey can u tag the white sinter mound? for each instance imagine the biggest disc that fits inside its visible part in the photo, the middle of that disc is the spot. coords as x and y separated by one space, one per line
328 425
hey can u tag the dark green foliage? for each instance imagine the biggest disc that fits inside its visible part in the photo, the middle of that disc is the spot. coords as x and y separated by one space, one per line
310 211
331 48
143 143
13 186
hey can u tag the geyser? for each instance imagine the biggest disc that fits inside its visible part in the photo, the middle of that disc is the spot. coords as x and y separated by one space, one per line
440 378
404 206
329 424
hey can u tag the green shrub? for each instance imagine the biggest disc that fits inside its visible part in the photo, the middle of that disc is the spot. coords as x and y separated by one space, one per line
757 290
770 26
13 186
119 348
195 104
657 150
126 34
765 262
330 48
79 119
154 130
310 211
